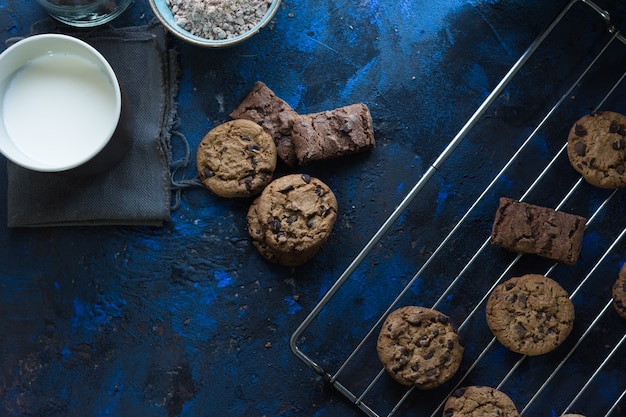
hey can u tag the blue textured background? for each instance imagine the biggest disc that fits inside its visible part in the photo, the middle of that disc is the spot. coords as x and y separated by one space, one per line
187 319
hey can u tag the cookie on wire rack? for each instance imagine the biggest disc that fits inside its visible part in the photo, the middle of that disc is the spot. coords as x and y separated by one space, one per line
419 347
619 293
531 314
596 147
479 401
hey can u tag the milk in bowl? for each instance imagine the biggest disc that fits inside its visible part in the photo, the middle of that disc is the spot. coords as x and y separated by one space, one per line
60 102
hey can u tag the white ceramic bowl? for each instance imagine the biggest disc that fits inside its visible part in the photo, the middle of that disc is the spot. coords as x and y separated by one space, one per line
165 15
60 106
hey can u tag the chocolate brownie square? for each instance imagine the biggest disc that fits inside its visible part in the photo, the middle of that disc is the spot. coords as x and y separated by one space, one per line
265 108
332 133
525 228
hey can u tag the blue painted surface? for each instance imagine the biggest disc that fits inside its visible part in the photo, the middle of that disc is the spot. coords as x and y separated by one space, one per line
187 319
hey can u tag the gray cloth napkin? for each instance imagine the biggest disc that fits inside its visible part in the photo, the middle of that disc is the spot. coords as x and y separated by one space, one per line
136 191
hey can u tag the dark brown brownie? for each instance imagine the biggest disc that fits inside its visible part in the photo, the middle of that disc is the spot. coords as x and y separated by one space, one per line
525 228
262 106
333 133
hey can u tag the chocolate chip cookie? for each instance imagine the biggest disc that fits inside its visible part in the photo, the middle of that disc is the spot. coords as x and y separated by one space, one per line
619 293
419 347
531 314
479 401
596 147
292 218
236 159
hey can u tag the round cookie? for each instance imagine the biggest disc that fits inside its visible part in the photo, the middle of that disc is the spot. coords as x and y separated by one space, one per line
236 159
419 347
479 401
596 147
531 314
619 293
292 218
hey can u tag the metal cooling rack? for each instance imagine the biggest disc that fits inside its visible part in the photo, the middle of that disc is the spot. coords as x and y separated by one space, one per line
457 271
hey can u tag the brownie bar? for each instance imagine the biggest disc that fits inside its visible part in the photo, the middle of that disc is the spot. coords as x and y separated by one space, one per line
333 133
264 107
525 228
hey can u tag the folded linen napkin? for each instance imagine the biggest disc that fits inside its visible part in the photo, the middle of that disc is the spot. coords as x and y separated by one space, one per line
136 191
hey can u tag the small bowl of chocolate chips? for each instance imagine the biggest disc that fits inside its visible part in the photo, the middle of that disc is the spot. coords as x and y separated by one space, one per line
214 23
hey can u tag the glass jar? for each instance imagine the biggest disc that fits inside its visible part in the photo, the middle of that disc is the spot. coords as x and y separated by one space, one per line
85 13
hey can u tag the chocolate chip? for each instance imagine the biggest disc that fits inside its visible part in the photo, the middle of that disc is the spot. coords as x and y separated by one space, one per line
292 219
310 222
450 344
435 332
247 182
443 319
613 127
306 178
448 412
580 149
618 144
622 130
275 225
414 322
521 300
509 286
254 148
207 173
458 392
286 189
415 367
319 192
429 355
422 342
580 130
620 169
431 372
520 330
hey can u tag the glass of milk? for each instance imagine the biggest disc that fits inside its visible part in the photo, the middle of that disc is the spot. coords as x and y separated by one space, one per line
85 13
61 106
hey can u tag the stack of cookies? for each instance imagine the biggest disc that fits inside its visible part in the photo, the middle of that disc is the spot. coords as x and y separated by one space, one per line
292 216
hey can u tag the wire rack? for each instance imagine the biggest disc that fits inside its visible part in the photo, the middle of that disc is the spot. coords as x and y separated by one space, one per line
514 145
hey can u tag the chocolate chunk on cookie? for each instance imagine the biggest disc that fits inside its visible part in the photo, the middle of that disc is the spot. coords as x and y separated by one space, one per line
525 228
619 293
271 112
333 133
292 218
419 347
531 314
596 147
479 401
236 159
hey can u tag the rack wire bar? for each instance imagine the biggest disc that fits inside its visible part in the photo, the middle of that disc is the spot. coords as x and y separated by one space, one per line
360 399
